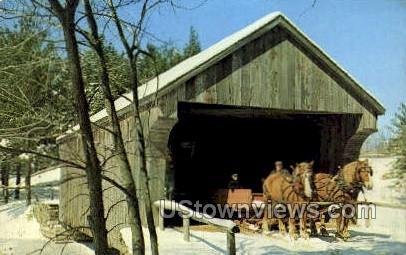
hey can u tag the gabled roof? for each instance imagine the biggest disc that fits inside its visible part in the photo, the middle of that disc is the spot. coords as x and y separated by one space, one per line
193 65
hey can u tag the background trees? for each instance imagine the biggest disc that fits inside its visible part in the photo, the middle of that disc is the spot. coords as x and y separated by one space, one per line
35 106
54 78
397 145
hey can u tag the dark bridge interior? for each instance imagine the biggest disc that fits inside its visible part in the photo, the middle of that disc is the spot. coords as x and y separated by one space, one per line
208 144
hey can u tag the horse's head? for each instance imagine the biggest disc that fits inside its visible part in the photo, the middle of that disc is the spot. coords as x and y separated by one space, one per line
304 171
363 174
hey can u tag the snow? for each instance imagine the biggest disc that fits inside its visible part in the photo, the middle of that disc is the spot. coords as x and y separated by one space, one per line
387 234
186 211
185 67
51 176
4 142
362 242
382 191
41 178
20 234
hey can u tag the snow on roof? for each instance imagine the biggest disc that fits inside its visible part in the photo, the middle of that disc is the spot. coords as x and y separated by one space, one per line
189 64
178 71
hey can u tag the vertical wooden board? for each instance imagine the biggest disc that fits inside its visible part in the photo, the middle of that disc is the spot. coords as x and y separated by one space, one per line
290 74
201 82
307 84
145 120
270 71
298 79
301 78
222 86
340 98
236 77
267 78
254 83
123 126
355 105
264 69
259 95
316 84
245 74
167 103
346 106
226 79
180 95
358 107
349 103
209 95
283 77
274 73
157 167
190 89
323 93
127 137
282 88
332 106
368 120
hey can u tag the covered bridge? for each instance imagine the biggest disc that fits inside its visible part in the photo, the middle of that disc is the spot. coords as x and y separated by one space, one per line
265 93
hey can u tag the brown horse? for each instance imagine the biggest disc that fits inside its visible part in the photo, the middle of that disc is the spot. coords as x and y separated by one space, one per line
342 188
282 189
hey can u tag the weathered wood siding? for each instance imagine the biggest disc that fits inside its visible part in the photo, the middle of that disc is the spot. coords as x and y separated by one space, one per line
272 71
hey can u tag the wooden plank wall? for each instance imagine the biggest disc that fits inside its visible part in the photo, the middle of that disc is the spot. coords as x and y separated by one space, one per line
74 201
272 71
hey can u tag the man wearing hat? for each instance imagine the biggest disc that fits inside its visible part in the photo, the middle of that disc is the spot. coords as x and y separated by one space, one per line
234 182
279 168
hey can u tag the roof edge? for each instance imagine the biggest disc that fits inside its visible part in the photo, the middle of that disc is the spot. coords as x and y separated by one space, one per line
255 29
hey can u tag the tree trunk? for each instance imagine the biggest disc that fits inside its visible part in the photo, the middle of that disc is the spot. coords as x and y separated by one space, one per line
4 181
97 221
128 183
28 182
18 181
141 148
139 134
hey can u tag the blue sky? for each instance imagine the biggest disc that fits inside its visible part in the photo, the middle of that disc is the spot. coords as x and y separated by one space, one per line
366 37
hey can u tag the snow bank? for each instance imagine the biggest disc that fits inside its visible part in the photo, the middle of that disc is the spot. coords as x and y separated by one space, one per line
382 190
53 175
362 242
387 234
41 178
20 234
17 222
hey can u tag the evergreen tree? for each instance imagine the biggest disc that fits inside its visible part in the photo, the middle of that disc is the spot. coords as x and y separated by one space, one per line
34 100
159 59
193 46
399 142
118 71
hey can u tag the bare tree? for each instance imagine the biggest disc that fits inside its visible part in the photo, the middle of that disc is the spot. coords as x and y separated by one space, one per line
133 51
28 182
18 181
4 171
119 149
97 222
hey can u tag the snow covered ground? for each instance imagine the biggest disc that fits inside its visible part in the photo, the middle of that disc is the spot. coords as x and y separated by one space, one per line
19 233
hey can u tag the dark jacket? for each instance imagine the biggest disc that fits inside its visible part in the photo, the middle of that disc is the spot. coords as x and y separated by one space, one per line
234 184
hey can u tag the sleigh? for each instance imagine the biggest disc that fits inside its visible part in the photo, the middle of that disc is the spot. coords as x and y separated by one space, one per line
247 206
